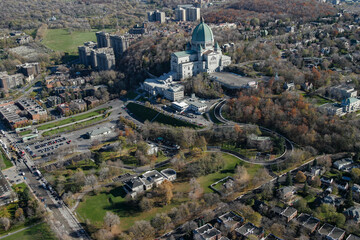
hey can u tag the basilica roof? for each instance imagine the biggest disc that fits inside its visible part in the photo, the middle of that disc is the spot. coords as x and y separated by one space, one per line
202 33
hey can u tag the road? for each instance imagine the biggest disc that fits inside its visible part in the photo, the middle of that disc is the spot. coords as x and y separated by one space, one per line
66 223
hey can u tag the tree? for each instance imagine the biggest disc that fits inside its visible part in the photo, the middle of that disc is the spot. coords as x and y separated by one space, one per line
111 219
5 223
19 215
277 229
241 177
288 181
142 230
161 222
306 189
165 191
349 199
195 189
300 177
316 182
91 181
355 173
146 204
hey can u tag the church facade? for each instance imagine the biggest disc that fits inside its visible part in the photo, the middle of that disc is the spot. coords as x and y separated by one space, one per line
202 55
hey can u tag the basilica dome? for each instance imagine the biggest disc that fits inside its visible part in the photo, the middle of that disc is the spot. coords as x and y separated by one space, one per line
202 34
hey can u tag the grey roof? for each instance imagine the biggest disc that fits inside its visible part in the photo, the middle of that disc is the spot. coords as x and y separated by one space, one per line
133 183
308 221
289 211
99 131
248 229
352 237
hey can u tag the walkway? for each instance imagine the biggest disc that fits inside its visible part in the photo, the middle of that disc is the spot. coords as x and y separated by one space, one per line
20 230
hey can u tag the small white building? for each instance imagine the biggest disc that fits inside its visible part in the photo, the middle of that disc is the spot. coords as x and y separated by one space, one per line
341 164
98 132
179 106
169 174
198 107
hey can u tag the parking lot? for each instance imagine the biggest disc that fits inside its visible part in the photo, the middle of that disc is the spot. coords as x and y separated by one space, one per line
46 147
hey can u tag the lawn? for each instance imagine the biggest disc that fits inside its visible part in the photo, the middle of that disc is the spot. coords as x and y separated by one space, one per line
26 132
5 159
94 208
71 119
319 100
73 127
228 170
64 41
144 113
38 232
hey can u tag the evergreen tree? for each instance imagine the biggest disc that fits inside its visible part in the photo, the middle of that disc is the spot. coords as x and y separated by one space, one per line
289 181
306 189
349 200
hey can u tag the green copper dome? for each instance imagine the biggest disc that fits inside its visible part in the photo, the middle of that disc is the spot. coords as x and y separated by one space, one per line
202 33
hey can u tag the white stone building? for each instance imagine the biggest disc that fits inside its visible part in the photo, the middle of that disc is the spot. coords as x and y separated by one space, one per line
202 55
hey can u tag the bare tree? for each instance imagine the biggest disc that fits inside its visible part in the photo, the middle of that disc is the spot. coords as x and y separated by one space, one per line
111 219
91 180
5 223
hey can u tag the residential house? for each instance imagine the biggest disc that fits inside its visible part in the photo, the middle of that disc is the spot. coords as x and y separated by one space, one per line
52 101
206 232
289 86
272 237
230 220
249 229
78 104
133 186
352 237
341 164
330 232
261 207
63 108
350 105
353 213
326 180
286 194
92 101
152 179
308 222
342 185
169 174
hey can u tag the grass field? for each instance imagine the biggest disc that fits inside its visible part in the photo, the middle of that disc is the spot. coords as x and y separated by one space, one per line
94 207
71 119
144 113
319 100
38 232
5 160
23 133
62 40
228 170
73 127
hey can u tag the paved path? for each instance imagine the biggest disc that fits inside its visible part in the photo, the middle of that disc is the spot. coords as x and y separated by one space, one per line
20 230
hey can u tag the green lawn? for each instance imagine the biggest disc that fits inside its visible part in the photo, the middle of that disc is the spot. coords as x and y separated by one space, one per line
20 186
144 113
62 40
71 119
5 159
228 170
73 127
319 100
38 232
94 208
26 132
